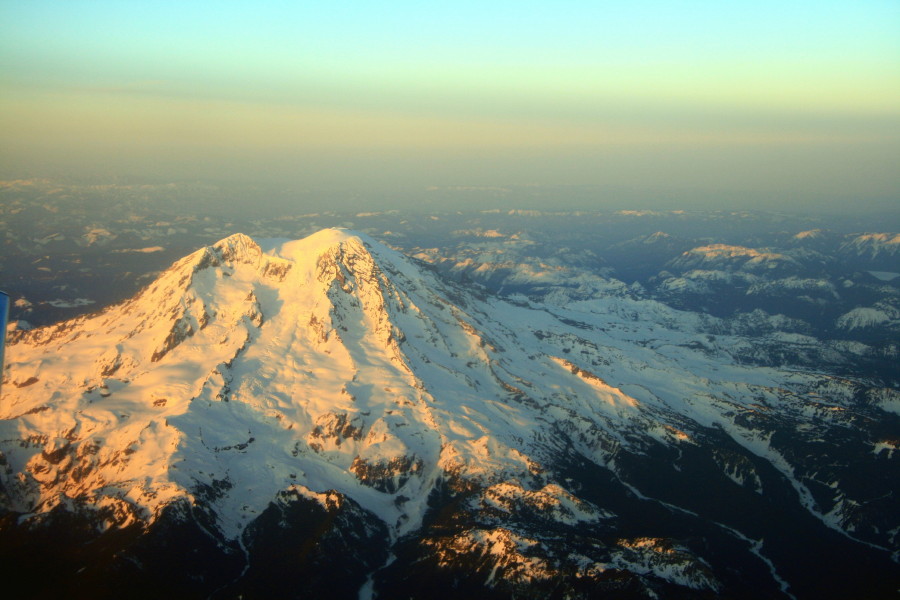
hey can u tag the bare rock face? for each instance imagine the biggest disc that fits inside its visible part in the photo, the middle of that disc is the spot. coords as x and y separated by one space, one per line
327 418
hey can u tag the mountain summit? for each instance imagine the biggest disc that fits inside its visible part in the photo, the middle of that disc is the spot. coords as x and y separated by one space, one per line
328 417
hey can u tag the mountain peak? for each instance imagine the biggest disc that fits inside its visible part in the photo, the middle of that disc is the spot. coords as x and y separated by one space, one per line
239 248
324 247
237 245
810 234
319 243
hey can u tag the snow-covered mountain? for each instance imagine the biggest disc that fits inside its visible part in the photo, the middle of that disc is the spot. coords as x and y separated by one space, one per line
873 245
329 418
882 315
733 258
517 264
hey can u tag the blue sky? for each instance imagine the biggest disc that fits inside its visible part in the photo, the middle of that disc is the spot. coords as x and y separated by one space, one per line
321 94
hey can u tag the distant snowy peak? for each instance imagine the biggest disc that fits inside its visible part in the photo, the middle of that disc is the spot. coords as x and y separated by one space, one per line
822 240
873 245
732 258
811 234
718 251
482 233
658 240
880 316
659 236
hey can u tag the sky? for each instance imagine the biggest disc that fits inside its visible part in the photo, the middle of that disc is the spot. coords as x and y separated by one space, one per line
719 102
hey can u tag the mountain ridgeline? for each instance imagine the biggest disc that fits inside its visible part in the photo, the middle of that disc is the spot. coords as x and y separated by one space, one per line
329 418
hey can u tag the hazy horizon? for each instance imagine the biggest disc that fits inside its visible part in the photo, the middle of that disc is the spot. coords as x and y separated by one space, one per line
665 105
